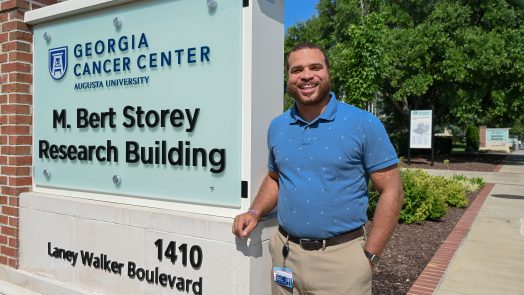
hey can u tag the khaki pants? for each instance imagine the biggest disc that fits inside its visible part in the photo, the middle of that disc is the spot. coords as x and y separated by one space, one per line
337 270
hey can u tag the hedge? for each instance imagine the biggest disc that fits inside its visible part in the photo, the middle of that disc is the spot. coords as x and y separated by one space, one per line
427 197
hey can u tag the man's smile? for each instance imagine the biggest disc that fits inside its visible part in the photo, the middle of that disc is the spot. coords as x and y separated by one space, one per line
308 88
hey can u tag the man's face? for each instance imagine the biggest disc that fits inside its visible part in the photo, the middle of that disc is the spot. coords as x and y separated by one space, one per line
308 78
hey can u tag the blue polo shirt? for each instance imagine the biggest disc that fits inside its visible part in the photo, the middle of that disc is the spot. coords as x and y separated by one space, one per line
324 168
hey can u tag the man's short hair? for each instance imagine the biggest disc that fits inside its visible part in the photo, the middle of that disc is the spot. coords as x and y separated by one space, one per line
307 45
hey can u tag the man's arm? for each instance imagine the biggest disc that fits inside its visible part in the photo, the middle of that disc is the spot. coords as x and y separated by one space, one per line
388 184
265 201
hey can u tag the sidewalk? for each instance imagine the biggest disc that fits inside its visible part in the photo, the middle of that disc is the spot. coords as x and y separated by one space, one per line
488 242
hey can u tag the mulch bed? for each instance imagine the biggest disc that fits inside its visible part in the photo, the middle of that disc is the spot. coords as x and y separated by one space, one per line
413 245
410 249
485 162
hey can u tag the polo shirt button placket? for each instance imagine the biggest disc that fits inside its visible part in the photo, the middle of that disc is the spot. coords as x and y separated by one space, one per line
306 137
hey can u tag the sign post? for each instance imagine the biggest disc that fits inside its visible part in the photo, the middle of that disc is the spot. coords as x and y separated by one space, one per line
149 137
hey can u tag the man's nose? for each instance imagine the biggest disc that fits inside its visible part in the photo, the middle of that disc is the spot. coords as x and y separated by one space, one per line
307 74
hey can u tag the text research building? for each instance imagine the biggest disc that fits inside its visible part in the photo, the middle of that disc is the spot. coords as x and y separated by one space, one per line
132 134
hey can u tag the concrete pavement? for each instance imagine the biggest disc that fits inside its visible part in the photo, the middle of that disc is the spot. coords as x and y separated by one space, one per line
490 258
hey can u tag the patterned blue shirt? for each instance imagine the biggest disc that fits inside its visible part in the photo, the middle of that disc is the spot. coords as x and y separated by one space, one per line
324 168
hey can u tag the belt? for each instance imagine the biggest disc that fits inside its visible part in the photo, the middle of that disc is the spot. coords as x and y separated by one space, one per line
311 244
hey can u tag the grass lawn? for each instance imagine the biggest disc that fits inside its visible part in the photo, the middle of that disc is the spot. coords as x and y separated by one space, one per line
458 147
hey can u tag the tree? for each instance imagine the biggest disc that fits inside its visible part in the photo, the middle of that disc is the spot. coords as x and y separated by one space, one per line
359 63
464 59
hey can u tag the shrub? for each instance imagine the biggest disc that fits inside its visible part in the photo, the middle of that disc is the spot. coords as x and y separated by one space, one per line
456 194
421 201
428 197
453 191
470 184
373 199
477 181
443 145
472 139
459 177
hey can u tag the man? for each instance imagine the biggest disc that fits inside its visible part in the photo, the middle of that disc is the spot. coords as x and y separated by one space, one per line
321 154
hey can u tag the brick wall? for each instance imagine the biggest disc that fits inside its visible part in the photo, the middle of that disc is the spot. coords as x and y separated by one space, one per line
15 118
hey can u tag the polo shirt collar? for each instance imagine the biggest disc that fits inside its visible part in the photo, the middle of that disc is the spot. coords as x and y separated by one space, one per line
327 115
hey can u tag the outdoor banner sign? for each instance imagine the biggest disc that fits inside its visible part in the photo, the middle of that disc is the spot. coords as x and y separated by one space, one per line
497 136
421 129
141 100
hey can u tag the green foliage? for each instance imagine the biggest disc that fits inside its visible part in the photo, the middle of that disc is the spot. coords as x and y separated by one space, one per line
460 177
359 63
518 128
421 202
463 59
307 31
454 192
469 184
288 101
472 139
372 199
400 141
427 197
478 181
443 145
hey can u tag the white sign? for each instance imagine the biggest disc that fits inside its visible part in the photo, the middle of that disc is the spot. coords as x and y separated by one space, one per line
421 129
123 111
497 136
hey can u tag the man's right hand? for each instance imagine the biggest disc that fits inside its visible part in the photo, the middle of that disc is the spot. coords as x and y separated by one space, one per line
265 201
244 224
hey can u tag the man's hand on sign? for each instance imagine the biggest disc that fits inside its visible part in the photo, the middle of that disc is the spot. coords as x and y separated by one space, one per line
265 201
244 224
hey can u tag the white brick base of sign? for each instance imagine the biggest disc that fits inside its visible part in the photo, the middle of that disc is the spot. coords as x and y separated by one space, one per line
126 240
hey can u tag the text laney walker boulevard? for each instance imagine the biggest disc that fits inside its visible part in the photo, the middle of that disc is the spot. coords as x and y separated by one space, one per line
159 153
152 276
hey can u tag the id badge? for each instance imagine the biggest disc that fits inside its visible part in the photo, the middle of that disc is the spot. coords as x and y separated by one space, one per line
283 276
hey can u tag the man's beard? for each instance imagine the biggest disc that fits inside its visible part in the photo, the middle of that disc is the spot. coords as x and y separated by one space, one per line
323 91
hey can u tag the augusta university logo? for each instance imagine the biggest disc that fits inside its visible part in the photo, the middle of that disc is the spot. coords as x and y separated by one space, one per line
58 62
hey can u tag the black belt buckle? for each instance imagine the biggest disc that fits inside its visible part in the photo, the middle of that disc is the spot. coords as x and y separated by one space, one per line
308 244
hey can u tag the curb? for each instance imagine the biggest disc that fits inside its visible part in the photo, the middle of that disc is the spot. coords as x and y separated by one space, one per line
428 281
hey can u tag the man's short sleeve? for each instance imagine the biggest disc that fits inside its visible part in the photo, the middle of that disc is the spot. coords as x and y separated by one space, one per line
378 150
271 163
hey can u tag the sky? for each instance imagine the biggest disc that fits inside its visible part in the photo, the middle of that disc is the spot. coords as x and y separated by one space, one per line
298 10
